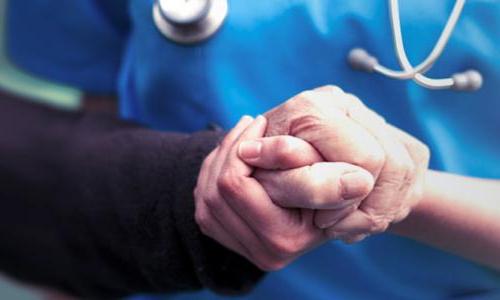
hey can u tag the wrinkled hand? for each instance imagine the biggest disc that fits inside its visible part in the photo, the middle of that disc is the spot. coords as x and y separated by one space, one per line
342 129
235 210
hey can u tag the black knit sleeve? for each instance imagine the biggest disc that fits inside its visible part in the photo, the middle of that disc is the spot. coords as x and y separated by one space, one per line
99 207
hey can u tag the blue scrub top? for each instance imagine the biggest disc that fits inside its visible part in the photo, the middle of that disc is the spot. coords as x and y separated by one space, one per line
266 52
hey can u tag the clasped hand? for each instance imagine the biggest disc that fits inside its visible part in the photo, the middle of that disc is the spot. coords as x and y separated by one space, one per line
320 166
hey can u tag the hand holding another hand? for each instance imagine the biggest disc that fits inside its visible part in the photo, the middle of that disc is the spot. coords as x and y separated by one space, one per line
233 208
328 168
342 129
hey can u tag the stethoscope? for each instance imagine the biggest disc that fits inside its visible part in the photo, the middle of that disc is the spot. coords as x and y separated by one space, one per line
194 21
189 21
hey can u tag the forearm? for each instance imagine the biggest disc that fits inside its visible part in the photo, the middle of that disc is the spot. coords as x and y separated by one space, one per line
100 207
460 215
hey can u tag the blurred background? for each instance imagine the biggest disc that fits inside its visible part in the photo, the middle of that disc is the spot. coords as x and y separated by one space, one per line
16 82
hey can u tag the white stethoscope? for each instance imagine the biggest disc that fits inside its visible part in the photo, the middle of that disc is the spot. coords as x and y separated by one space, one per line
193 21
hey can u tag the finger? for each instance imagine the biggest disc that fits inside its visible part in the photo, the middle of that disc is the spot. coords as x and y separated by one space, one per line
411 142
351 239
275 226
367 119
393 182
231 229
206 170
239 229
329 88
243 193
351 104
307 215
324 185
355 223
396 175
234 133
224 148
255 130
228 141
329 217
216 158
216 230
208 222
211 165
417 150
338 138
420 155
278 153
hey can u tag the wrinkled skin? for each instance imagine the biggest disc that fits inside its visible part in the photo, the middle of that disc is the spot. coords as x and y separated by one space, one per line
342 129
328 168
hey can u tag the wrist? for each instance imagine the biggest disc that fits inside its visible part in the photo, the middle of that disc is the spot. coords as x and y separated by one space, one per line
422 208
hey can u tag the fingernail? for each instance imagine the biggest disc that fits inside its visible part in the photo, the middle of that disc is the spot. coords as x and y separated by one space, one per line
260 117
356 184
249 149
245 118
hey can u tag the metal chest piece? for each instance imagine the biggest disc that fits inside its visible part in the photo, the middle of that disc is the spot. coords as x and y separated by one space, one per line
189 21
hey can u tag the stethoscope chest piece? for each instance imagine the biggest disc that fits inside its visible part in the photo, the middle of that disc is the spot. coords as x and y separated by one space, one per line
189 21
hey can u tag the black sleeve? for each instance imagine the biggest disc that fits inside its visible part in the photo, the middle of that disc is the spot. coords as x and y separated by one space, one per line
99 207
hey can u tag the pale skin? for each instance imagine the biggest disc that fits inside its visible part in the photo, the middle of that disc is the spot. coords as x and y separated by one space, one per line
457 214
330 168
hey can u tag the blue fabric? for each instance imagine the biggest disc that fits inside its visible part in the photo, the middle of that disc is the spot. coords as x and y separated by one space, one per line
268 51
78 43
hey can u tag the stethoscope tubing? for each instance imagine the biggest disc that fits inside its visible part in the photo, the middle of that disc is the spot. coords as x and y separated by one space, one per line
200 29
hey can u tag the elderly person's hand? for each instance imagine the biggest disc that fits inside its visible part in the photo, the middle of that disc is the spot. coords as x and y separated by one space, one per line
341 129
233 208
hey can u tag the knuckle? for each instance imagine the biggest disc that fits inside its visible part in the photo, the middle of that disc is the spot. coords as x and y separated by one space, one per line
303 100
306 96
406 172
270 265
284 247
324 188
354 238
226 142
424 153
229 183
378 223
203 221
306 123
410 172
402 215
403 166
320 195
285 152
331 88
209 158
197 193
353 101
379 228
319 189
213 203
224 181
419 150
373 160
313 98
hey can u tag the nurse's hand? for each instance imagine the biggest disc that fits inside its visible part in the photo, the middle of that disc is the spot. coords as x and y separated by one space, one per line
342 129
235 210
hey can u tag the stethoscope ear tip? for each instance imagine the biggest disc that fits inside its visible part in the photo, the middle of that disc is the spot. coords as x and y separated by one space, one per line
361 60
470 80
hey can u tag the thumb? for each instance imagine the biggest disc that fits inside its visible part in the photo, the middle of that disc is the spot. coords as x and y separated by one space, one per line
324 185
281 152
